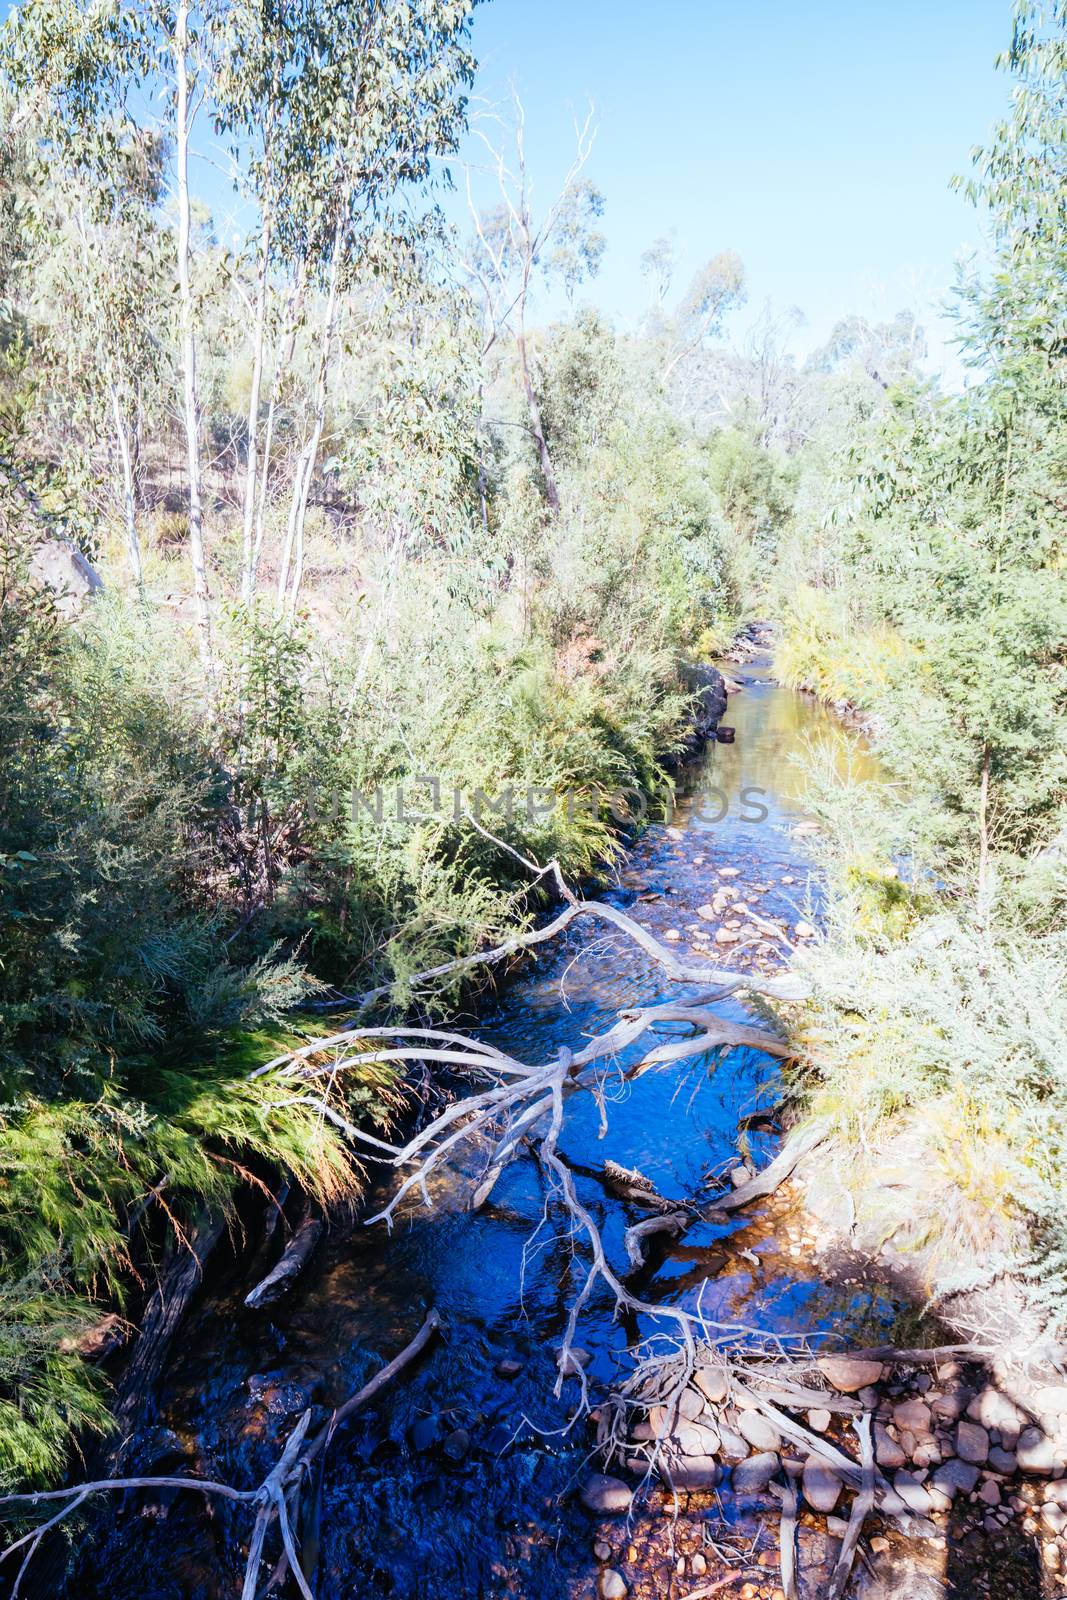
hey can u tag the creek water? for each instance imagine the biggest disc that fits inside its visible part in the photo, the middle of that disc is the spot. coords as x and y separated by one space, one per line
460 1482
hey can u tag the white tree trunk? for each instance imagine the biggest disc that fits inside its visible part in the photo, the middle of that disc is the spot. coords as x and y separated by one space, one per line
248 567
122 437
191 407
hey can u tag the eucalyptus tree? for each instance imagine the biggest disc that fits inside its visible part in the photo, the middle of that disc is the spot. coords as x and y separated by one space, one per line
512 244
716 288
338 112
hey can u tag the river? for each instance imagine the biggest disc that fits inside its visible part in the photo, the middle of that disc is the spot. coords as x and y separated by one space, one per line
461 1482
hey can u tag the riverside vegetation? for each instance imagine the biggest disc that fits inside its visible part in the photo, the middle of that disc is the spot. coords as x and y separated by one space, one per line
360 521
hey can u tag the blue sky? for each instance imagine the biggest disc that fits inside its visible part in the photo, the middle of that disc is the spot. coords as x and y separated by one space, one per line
817 139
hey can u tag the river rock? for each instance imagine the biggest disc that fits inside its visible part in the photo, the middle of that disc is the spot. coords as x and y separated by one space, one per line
1003 1461
804 930
698 1439
708 913
992 1409
1051 1400
887 1450
672 935
457 1444
729 872
1054 1518
1057 1493
847 1375
690 1404
821 1485
731 1446
989 1493
955 1477
912 1416
693 1472
606 1497
713 1383
612 1585
819 1420
753 1476
508 1368
972 1443
726 936
913 1494
761 1434
1036 1453
572 1361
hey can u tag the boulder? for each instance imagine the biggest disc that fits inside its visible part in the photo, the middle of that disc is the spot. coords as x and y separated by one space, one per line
606 1497
847 1375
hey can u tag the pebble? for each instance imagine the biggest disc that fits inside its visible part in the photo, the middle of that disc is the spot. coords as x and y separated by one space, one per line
424 1433
508 1369
821 1485
818 1420
804 930
726 936
1002 1460
672 935
606 1496
879 1543
612 1585
1054 1518
699 1564
572 1362
601 1550
989 1493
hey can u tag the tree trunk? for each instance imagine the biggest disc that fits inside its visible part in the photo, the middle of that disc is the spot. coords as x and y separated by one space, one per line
983 829
536 425
252 464
303 481
122 437
201 597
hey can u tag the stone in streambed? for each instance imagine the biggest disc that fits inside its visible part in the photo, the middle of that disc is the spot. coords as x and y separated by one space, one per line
1036 1453
690 1404
508 1368
887 1451
612 1585
457 1444
913 1494
912 1416
697 1439
753 1476
761 1434
1003 1461
572 1361
731 1446
972 1443
713 1383
847 1375
606 1497
693 1472
955 1477
821 1485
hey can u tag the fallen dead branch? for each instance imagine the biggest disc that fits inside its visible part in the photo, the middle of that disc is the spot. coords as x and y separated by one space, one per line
862 1506
289 1265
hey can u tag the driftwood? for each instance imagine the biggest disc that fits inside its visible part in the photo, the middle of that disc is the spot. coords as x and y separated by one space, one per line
163 1315
787 1535
269 1498
862 1506
289 1266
